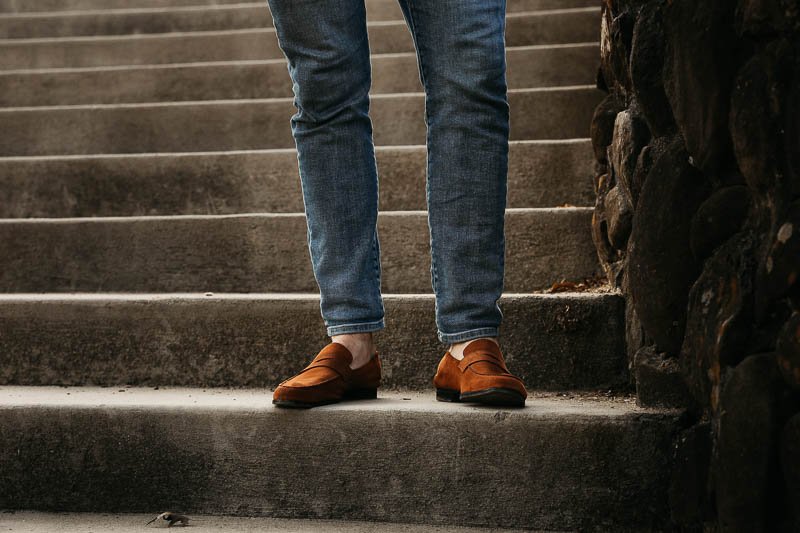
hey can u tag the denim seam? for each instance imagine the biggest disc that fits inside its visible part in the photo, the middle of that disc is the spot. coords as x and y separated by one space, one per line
356 324
420 58
364 327
492 331
377 266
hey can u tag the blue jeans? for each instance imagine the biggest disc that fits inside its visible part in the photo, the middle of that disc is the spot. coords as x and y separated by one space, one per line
460 47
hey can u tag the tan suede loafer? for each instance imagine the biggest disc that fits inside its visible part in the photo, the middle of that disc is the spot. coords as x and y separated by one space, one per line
329 379
481 377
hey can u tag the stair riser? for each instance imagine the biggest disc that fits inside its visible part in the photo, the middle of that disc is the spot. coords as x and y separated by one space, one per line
259 124
540 175
263 253
553 342
201 19
529 29
376 9
441 466
527 68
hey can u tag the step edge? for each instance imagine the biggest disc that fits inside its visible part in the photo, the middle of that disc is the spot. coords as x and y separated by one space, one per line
22 298
531 211
263 151
578 89
539 406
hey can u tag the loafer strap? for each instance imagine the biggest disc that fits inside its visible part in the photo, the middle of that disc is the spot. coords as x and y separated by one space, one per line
336 357
482 356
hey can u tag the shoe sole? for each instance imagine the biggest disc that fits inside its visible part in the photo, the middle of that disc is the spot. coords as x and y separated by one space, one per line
354 394
495 396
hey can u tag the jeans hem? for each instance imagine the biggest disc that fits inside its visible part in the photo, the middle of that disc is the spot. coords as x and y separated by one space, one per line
366 327
452 338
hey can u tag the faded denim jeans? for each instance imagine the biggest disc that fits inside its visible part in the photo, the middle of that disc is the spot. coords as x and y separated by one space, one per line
460 47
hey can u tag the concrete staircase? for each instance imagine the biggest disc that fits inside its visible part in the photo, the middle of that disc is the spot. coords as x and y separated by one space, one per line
156 284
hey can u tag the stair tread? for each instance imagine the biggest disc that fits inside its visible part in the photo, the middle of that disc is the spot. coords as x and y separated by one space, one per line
38 522
265 61
227 41
155 155
575 405
258 30
535 66
560 463
382 8
34 15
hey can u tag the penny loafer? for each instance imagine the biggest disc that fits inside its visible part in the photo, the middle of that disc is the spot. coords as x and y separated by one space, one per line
329 379
481 377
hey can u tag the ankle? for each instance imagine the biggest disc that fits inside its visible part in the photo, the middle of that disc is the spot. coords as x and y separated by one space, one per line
457 349
361 345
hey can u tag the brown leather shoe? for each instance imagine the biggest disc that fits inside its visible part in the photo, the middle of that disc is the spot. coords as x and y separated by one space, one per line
329 379
482 376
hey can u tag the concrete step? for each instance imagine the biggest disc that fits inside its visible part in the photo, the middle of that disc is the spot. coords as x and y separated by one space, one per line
562 341
221 125
569 464
38 522
522 29
41 6
541 174
161 20
377 9
263 252
528 67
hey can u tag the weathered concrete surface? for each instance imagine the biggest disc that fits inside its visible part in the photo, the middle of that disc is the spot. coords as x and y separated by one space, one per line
558 464
26 6
554 342
541 174
160 20
527 67
376 9
545 27
263 252
36 522
561 113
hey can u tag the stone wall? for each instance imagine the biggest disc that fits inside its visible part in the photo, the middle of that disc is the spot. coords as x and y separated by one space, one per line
697 221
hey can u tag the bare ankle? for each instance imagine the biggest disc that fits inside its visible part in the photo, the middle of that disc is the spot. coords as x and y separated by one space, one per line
457 349
361 345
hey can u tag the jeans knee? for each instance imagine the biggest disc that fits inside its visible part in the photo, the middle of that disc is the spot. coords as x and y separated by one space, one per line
325 86
469 87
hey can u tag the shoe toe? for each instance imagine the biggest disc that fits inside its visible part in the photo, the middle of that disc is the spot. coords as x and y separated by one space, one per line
478 382
315 386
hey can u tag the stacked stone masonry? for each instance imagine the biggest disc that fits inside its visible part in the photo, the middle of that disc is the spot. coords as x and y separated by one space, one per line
697 221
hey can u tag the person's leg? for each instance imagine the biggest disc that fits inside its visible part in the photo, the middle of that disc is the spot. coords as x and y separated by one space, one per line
461 52
326 46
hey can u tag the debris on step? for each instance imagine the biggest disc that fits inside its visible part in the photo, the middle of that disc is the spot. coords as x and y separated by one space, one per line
168 520
595 284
